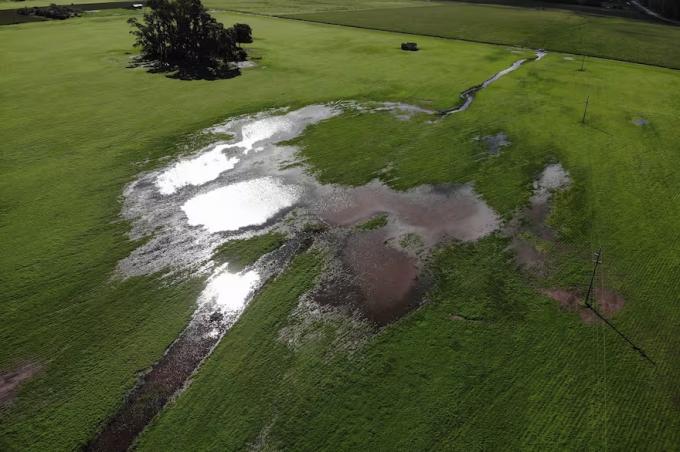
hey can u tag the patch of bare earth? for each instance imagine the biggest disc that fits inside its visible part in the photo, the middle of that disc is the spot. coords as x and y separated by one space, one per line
10 382
606 301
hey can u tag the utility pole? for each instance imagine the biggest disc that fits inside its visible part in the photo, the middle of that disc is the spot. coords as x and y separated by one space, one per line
585 111
589 305
598 261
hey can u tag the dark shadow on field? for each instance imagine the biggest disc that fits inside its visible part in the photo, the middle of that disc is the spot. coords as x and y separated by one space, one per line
154 67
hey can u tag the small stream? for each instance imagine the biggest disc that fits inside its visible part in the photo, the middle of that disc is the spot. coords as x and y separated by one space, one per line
468 96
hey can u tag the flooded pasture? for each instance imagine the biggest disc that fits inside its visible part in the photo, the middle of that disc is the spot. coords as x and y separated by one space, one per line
254 183
434 213
529 226
250 185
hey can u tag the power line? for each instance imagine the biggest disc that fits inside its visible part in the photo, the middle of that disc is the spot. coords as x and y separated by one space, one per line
589 305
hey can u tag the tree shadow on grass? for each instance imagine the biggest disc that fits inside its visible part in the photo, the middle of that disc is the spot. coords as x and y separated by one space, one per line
173 72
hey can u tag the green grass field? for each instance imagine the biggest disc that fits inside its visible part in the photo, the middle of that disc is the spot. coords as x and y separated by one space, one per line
76 134
77 125
528 376
558 30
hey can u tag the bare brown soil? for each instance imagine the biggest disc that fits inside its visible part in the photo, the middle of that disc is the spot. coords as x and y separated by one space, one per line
607 302
10 382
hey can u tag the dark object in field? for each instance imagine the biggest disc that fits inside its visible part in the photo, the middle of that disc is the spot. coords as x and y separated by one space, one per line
410 46
182 36
59 12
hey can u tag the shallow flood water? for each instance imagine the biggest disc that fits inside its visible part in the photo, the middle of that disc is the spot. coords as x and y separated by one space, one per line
432 212
243 204
387 278
247 186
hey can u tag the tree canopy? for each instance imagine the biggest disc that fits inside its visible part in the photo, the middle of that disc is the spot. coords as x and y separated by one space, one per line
668 8
181 35
53 11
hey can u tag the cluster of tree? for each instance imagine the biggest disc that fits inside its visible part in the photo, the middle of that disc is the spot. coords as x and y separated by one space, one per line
597 3
53 11
180 35
667 8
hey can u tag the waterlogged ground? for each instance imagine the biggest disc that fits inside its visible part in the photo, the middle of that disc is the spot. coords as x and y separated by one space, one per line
377 241
252 184
486 335
255 183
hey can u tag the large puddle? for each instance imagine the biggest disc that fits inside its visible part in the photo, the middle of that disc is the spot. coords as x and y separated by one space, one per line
250 185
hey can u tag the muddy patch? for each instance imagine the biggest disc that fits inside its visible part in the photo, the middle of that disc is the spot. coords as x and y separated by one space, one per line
606 301
10 382
528 229
382 268
494 144
220 304
387 278
380 271
434 213
252 184
572 301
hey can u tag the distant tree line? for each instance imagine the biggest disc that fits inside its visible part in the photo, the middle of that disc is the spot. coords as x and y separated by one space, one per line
53 11
667 8
180 35
597 3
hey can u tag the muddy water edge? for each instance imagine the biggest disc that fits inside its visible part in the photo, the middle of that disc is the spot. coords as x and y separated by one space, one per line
181 211
171 373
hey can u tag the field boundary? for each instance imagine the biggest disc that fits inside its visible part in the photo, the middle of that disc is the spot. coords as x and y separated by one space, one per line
434 35
632 13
